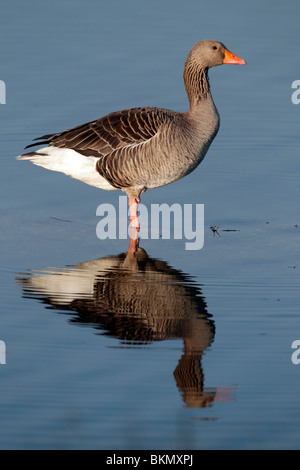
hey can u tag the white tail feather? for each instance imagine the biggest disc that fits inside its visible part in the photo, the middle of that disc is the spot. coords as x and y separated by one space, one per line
70 163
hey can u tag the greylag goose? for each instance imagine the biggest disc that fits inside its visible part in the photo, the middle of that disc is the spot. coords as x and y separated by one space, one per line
141 148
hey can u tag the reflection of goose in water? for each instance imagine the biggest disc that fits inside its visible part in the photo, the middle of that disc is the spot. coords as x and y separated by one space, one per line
138 300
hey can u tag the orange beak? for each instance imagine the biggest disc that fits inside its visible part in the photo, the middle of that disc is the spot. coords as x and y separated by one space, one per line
231 58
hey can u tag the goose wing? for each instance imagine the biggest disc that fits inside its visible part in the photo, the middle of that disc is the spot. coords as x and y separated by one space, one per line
115 140
113 131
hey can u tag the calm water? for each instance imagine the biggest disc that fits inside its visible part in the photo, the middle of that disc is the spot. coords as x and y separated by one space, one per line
181 349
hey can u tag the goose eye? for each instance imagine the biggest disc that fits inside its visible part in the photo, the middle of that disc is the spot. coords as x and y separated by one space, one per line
214 47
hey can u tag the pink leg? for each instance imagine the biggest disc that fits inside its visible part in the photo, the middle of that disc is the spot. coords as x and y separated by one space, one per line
133 206
133 242
224 394
134 225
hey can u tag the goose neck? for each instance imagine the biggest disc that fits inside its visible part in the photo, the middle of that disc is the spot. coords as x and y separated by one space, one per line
196 83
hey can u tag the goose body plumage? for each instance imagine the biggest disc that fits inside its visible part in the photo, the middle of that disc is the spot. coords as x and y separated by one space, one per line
141 148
